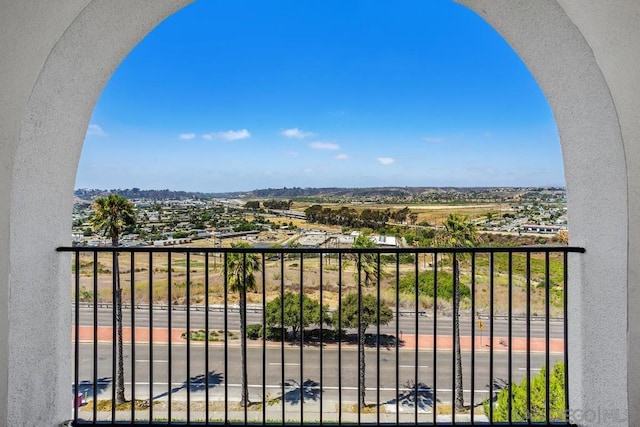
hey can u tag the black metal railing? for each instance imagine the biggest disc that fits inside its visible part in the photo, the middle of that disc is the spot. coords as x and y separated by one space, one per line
320 336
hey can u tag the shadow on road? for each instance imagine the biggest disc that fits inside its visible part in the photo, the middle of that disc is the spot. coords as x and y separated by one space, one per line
294 393
414 394
196 383
86 387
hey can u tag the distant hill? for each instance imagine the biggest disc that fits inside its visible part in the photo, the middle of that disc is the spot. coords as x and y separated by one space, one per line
336 193
136 193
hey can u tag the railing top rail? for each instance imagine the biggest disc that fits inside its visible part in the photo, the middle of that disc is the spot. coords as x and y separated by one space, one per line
419 250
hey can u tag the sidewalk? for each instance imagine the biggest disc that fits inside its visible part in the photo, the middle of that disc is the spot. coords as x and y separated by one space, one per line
408 341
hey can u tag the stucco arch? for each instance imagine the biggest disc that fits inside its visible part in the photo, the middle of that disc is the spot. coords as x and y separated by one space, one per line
76 60
43 129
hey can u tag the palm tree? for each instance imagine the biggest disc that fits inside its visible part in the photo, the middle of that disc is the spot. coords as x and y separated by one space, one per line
367 269
240 279
459 232
111 215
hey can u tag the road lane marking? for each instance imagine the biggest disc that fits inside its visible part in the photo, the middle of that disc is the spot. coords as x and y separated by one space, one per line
158 386
286 363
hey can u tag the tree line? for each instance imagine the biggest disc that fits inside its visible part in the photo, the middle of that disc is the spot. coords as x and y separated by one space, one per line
374 219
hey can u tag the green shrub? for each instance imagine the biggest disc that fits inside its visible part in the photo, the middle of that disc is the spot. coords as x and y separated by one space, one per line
254 331
518 397
275 334
425 285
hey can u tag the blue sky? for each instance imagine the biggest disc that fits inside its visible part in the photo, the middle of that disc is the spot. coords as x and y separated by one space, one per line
240 95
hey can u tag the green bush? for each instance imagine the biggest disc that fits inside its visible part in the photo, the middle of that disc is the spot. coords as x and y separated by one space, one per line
201 335
274 333
254 331
519 412
425 285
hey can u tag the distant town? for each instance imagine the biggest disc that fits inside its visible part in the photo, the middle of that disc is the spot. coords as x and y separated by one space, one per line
329 217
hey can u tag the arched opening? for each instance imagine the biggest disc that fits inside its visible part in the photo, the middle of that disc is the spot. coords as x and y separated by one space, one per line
42 166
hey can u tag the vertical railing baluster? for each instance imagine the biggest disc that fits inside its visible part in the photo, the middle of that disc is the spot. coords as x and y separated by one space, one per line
322 319
473 336
454 320
95 336
206 334
188 291
282 337
510 338
547 314
76 336
133 337
301 314
340 338
491 325
264 341
114 327
528 276
360 338
417 339
243 337
378 339
170 338
151 380
225 282
397 315
565 277
434 401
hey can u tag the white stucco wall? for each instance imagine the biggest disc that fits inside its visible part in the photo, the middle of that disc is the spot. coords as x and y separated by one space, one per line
27 34
612 30
560 54
56 59
57 56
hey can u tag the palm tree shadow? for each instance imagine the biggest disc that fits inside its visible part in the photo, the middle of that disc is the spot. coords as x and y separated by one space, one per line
86 387
499 384
419 395
295 394
196 383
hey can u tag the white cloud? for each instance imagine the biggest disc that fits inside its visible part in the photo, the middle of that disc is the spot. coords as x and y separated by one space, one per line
320 145
95 130
296 133
386 160
187 136
229 135
434 139
342 156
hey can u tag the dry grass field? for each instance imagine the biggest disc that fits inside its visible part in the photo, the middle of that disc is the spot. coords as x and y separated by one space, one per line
434 214
151 279
148 277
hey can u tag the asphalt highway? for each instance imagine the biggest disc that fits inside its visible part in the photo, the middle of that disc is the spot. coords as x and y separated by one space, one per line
161 371
406 324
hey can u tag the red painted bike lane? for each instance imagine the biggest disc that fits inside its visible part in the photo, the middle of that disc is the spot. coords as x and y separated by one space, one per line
424 342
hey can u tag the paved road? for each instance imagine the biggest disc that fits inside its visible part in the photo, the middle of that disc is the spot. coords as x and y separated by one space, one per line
291 366
407 324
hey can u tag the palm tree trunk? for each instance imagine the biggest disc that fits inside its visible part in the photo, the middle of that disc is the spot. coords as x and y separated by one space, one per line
459 403
362 367
120 346
244 398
